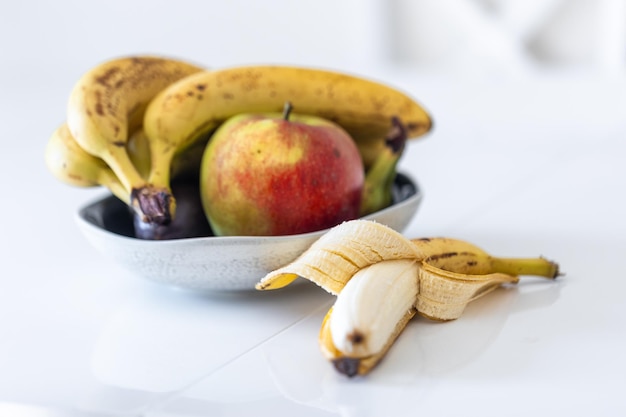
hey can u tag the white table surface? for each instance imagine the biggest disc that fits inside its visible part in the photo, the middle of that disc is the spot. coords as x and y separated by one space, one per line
525 167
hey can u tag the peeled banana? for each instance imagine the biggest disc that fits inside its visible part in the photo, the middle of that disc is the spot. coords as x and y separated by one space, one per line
106 104
357 331
378 295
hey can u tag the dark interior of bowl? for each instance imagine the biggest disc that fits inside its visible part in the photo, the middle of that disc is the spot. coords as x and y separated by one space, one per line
113 215
110 214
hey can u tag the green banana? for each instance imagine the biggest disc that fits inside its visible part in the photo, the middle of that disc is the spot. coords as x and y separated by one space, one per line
380 177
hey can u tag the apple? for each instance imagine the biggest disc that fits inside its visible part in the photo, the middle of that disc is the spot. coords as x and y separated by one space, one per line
280 174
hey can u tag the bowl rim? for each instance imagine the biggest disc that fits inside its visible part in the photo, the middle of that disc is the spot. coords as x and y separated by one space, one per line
82 218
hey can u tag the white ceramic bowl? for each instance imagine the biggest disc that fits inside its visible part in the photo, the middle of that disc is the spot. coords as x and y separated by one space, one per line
233 263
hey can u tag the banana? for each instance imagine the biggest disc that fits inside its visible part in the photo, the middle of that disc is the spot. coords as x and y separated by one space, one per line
459 272
106 104
380 176
444 295
381 283
138 149
185 165
351 365
70 164
463 257
197 104
356 329
375 306
337 255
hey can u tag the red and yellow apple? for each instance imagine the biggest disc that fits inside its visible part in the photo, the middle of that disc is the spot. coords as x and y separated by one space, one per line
280 174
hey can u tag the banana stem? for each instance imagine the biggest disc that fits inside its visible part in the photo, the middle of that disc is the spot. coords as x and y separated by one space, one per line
120 163
526 266
108 179
154 204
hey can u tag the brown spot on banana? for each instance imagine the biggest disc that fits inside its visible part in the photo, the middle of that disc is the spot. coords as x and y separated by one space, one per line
356 337
450 255
107 75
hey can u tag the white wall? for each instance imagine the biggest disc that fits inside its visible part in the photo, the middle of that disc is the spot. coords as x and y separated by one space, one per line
510 35
72 35
46 45
62 38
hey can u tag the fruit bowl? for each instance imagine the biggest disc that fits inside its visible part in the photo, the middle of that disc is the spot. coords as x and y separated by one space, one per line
233 263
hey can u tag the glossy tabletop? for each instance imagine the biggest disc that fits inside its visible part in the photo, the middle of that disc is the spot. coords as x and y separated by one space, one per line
520 166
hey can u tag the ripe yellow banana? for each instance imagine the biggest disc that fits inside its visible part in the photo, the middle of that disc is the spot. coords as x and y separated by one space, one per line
70 164
107 103
197 104
138 149
462 257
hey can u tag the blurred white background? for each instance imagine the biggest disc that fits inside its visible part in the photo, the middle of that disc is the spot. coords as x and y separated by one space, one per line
45 46
53 42
529 103
510 36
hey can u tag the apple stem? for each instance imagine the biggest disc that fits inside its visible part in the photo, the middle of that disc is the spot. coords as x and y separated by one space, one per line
287 110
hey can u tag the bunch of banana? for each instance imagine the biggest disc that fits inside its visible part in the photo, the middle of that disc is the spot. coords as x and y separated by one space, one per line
105 108
134 117
382 279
